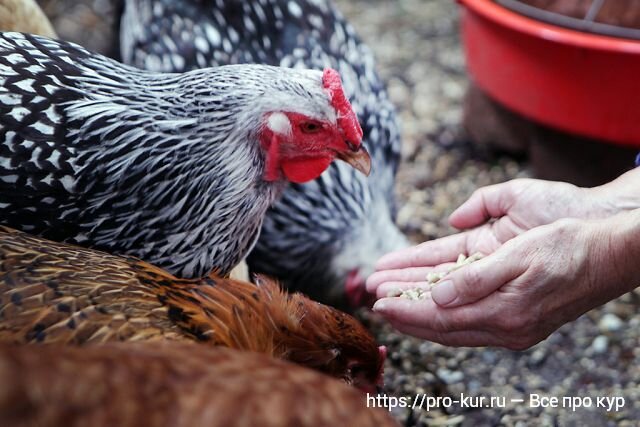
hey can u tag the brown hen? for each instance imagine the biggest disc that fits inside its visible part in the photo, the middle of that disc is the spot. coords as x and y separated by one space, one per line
58 293
177 384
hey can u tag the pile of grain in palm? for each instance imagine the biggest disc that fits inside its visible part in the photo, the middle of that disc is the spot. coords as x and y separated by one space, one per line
433 278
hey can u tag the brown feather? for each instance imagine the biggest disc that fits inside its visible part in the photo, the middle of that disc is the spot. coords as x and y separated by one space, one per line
177 384
58 293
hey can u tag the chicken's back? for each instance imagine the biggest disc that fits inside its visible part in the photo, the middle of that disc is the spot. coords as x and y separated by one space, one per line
54 292
159 384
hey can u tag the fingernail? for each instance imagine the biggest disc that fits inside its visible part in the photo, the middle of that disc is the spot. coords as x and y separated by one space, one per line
379 306
444 293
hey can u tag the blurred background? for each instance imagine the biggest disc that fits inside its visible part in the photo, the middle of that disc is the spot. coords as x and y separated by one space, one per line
456 139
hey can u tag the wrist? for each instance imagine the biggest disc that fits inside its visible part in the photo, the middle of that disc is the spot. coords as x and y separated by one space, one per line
616 242
619 195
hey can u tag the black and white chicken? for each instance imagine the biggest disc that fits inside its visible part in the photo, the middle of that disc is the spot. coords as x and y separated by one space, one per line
175 169
322 237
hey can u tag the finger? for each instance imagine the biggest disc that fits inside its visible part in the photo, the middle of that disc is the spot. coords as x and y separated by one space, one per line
411 274
485 203
478 279
426 314
426 254
467 338
395 288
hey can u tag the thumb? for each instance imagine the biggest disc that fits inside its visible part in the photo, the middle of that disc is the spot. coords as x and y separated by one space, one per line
485 203
476 280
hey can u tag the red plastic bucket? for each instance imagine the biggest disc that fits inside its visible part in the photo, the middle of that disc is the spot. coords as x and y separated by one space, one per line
578 82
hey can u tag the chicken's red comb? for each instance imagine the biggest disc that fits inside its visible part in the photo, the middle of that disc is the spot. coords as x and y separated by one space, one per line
347 119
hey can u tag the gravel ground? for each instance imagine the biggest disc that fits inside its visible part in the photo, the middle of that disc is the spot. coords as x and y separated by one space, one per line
419 54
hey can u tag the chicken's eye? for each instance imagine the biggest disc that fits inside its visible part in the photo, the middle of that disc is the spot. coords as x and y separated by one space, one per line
310 127
356 370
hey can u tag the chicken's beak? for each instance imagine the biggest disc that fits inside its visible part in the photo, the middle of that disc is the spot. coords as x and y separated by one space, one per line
358 157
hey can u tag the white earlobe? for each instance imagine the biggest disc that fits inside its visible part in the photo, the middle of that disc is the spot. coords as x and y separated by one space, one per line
279 123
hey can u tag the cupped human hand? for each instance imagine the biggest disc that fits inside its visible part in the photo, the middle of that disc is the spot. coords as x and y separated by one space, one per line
527 287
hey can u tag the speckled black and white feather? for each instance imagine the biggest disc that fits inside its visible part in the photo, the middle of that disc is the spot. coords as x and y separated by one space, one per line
165 167
319 231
